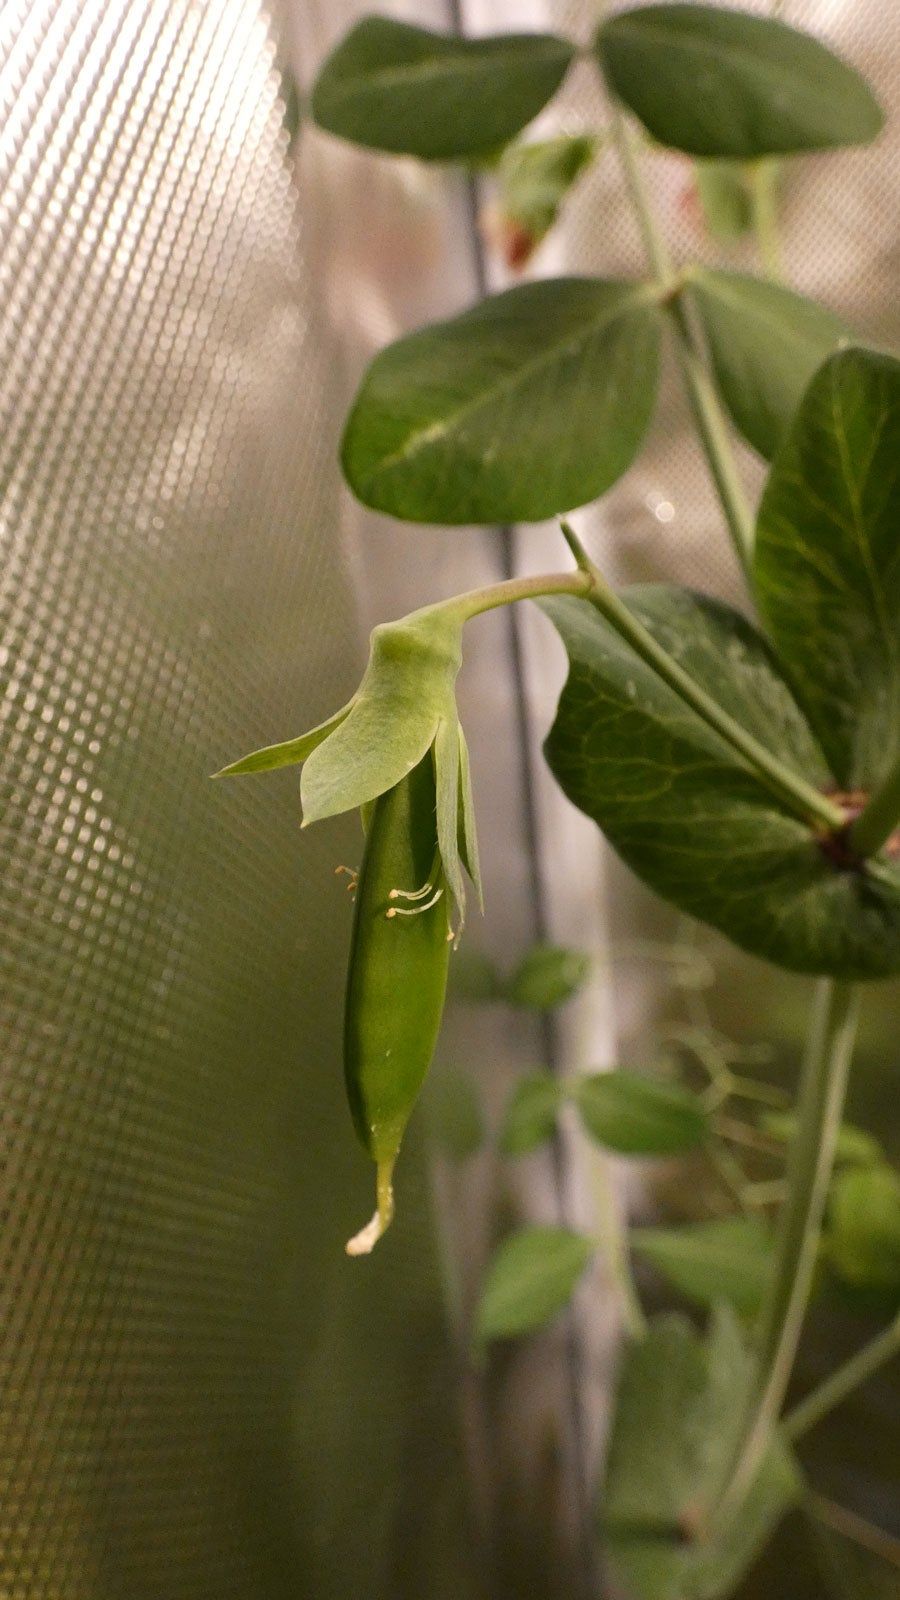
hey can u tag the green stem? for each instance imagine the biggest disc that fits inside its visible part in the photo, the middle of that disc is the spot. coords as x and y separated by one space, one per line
708 414
835 1389
825 1071
612 1242
764 178
794 792
875 824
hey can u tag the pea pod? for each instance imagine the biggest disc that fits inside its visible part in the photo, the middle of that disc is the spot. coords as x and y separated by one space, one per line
397 976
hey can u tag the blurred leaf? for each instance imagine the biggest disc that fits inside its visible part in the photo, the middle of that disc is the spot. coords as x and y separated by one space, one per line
715 82
409 91
454 1113
766 344
474 977
729 1258
685 812
863 1233
679 1412
724 195
534 180
640 1116
531 1114
546 977
483 419
827 562
855 1147
530 1280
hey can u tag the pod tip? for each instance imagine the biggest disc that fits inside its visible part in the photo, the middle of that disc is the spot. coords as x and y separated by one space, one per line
364 1242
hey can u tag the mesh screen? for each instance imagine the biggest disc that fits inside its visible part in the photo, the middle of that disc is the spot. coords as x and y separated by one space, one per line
179 1332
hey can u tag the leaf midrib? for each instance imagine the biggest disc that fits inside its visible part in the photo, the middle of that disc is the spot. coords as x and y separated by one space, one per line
436 431
719 54
412 73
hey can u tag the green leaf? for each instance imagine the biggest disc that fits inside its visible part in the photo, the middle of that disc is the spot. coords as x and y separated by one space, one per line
678 1415
546 977
729 1258
288 754
863 1236
853 1571
724 194
855 1147
639 1116
533 402
681 808
766 343
717 82
534 181
531 1114
408 91
530 1280
827 563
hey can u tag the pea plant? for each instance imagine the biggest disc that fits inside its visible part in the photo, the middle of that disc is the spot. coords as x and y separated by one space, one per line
748 771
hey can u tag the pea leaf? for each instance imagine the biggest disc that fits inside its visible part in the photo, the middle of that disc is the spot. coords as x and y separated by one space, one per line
766 343
640 1116
855 1147
717 82
530 1279
405 90
728 1258
678 1414
531 1114
533 402
683 811
546 977
863 1236
535 178
827 561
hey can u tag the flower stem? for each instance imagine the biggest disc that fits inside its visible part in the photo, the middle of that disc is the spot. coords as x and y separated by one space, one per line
708 414
794 792
764 182
848 1377
829 1049
875 824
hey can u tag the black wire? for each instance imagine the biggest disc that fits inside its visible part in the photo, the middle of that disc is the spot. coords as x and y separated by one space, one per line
549 1047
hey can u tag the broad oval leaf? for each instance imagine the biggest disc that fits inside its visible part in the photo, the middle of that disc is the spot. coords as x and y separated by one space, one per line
685 813
827 562
546 977
717 82
533 402
531 1114
638 1116
766 343
679 1410
727 1258
408 91
530 1280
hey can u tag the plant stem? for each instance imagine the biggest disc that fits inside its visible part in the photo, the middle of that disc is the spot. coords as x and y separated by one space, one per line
848 1377
875 824
823 1087
613 1246
764 176
794 792
708 414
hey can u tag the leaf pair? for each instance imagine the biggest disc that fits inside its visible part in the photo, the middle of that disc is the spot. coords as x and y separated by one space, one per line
712 82
404 707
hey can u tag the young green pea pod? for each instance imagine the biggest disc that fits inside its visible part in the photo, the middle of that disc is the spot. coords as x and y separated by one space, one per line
397 977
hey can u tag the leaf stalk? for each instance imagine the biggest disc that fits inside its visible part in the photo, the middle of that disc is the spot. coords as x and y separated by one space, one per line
879 819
